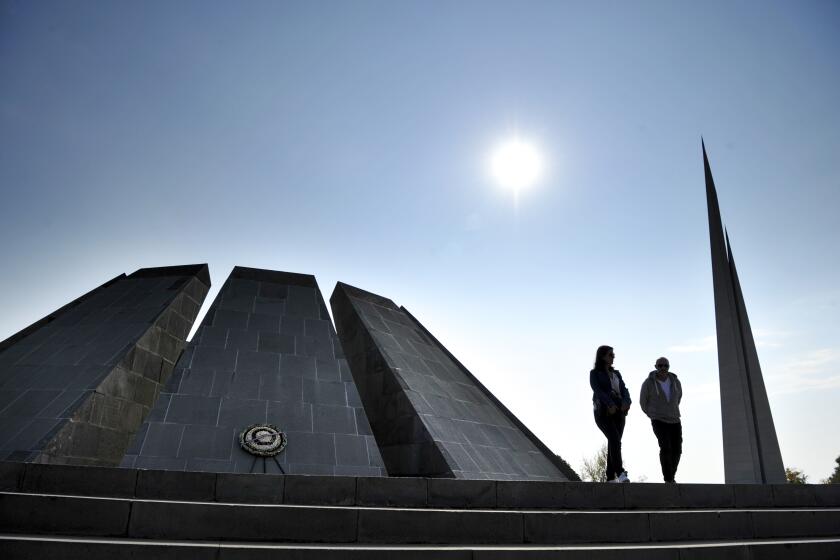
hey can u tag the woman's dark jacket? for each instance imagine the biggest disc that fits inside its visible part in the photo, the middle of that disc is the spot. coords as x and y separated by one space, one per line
603 396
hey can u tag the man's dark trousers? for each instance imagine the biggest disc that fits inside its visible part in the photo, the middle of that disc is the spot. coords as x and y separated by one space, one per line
670 447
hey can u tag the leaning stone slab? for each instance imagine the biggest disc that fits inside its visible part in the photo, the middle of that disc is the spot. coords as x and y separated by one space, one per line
266 353
87 375
430 415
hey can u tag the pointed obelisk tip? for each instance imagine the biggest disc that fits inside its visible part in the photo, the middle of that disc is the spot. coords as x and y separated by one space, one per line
706 165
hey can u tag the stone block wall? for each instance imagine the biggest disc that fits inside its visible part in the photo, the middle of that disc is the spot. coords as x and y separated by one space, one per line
430 416
266 352
75 386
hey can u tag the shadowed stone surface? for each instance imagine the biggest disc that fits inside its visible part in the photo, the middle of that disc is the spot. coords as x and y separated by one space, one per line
430 416
76 385
433 493
265 352
173 519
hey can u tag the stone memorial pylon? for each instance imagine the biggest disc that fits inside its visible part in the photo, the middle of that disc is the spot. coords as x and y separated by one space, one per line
750 448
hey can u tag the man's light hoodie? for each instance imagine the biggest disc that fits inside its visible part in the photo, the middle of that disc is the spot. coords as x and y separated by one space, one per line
654 403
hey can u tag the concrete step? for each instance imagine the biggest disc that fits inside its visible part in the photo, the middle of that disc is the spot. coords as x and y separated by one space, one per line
39 547
404 492
195 521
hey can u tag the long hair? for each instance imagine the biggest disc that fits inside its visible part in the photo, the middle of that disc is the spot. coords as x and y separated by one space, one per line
600 355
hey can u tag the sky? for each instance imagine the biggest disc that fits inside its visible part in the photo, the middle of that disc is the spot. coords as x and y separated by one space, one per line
350 140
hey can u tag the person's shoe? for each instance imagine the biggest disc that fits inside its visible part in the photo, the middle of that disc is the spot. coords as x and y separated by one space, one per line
623 477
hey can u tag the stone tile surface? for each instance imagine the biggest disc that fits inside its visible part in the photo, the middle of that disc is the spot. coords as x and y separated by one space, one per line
430 416
266 352
76 386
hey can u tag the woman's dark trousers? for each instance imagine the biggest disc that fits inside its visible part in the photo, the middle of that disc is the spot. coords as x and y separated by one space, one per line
613 427
670 447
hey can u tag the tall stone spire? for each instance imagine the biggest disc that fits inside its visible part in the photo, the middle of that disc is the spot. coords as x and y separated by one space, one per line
750 448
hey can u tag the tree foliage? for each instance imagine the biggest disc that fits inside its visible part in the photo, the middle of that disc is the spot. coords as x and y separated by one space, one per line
795 476
835 476
595 468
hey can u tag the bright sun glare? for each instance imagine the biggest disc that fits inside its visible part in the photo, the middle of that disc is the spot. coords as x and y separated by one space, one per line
516 164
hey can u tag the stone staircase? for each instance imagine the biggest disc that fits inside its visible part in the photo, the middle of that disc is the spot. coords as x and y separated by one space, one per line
49 511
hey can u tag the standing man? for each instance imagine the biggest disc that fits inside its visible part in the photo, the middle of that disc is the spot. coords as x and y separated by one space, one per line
660 400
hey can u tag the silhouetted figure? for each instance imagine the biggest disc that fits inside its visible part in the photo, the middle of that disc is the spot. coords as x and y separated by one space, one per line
660 400
611 401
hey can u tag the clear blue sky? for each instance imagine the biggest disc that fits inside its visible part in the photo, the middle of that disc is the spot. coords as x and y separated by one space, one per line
349 140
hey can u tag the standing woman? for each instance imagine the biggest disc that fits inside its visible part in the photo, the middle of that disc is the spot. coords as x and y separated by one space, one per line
611 401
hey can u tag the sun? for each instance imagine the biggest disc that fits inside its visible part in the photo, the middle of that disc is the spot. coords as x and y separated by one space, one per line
516 164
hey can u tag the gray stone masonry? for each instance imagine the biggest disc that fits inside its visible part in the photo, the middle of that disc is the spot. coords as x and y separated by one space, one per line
59 511
23 546
408 492
265 352
76 385
180 519
430 416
